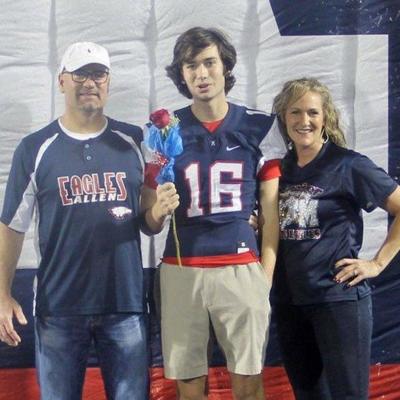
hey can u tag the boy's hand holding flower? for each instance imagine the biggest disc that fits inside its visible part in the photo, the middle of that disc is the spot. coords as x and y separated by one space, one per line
167 200
165 141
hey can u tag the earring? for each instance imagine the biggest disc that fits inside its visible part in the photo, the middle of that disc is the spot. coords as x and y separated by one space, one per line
326 138
290 145
183 82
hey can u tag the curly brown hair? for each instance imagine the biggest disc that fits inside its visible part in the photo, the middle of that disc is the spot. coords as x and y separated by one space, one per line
189 44
295 89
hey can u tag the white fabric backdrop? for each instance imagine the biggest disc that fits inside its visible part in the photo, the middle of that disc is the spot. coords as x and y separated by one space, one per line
140 36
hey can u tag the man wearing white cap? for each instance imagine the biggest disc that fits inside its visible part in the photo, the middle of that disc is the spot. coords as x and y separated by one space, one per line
82 175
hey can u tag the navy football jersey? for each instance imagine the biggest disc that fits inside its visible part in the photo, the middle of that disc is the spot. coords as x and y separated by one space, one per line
216 178
86 197
320 222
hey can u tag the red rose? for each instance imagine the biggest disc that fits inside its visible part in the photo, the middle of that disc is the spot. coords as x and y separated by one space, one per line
160 118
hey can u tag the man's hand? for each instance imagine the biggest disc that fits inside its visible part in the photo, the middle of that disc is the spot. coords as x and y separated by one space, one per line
10 249
9 308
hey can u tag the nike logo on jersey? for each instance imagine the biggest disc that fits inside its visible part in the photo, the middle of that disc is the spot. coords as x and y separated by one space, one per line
256 112
231 148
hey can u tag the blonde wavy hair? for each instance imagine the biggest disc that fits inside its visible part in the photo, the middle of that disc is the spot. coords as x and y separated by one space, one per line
293 90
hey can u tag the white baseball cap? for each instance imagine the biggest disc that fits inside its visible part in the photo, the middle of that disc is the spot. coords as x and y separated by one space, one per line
80 54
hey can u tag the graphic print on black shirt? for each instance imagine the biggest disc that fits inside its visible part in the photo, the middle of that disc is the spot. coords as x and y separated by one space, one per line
298 211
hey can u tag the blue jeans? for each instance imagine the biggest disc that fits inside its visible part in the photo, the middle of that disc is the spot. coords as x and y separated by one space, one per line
62 347
326 348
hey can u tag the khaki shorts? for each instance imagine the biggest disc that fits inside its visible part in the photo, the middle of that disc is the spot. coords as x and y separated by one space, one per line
235 300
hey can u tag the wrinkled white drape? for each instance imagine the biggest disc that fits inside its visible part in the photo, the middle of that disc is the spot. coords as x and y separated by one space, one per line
140 36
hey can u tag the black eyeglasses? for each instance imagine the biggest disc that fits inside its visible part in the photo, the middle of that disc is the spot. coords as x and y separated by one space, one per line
81 76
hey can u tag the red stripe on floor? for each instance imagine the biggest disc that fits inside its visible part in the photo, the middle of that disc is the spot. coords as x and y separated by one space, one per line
20 384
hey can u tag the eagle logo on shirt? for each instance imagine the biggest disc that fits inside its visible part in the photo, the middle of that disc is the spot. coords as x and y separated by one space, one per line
120 213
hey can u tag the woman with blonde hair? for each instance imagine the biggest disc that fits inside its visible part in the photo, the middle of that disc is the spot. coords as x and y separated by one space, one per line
321 294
